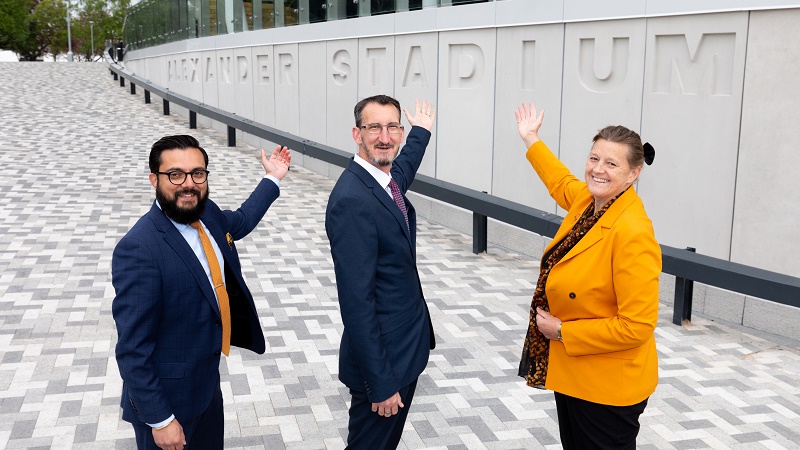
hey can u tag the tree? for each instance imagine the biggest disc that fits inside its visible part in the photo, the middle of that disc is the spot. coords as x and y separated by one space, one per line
50 35
118 10
108 17
30 49
32 28
13 23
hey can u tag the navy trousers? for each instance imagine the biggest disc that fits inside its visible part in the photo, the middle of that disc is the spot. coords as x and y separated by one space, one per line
369 431
587 425
205 432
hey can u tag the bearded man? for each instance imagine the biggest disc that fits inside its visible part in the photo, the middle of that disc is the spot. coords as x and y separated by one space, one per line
371 227
181 300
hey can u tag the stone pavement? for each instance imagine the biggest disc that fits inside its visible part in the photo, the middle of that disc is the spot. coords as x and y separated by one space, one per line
73 179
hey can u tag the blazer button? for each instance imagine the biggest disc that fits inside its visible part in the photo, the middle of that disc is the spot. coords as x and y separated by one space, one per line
572 295
217 353
218 323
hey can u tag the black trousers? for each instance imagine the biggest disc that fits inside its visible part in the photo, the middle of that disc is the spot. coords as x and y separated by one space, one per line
205 432
369 431
587 425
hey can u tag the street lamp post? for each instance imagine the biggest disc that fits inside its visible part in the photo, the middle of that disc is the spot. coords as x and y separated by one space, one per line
91 28
69 36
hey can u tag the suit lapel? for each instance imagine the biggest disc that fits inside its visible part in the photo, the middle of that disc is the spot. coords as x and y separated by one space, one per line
175 240
569 221
384 198
229 258
219 236
600 229
412 224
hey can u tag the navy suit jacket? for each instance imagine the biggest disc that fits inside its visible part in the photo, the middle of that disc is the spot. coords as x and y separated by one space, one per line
168 321
387 329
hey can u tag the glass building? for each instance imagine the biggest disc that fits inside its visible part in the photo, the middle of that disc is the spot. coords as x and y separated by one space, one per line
156 22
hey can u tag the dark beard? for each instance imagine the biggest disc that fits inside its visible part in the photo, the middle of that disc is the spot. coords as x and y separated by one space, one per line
178 214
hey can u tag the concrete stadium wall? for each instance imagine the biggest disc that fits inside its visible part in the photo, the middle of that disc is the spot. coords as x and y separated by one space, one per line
714 92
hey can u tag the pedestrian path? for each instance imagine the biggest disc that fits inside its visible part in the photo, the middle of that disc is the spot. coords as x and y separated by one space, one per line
73 179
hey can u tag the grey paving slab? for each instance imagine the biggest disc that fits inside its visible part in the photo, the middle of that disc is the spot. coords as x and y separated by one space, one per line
73 179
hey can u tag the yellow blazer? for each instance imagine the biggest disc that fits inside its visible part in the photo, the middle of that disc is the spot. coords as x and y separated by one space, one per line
605 290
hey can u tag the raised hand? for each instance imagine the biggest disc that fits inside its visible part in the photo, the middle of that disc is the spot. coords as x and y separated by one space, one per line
423 115
277 164
528 123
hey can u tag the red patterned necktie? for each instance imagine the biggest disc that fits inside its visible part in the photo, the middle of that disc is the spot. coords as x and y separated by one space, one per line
398 199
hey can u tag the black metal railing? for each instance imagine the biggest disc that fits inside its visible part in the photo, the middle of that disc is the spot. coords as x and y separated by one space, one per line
686 265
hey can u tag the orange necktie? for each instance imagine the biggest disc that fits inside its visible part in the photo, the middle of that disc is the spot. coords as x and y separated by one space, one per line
219 287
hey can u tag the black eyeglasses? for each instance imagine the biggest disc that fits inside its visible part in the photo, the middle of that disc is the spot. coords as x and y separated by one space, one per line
178 177
376 128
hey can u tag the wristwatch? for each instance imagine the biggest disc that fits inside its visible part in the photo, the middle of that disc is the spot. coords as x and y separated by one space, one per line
558 333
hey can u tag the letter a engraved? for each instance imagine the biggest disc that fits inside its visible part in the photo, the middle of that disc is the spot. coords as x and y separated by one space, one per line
415 68
596 76
704 66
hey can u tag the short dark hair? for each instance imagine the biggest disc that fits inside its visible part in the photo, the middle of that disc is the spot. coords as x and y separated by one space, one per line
177 142
379 99
622 135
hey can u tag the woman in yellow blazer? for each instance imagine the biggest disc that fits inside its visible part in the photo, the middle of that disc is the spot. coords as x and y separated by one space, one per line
594 312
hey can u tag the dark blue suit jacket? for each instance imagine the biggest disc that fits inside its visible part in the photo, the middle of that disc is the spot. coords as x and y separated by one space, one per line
168 322
387 329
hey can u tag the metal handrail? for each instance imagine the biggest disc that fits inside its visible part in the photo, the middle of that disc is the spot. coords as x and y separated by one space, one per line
684 264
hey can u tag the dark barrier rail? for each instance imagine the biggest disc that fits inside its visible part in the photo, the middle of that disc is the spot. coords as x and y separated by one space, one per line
685 265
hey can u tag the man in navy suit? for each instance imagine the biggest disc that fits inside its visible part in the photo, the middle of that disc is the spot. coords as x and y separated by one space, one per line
173 320
371 227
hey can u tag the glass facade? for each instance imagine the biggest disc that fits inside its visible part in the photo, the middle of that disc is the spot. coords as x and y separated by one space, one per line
156 22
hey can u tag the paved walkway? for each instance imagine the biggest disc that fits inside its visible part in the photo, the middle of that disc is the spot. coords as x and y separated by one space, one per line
73 179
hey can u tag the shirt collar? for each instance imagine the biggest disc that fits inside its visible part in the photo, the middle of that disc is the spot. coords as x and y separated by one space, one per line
380 176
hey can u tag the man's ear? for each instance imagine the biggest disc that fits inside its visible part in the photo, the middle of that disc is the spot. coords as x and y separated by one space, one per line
154 180
357 135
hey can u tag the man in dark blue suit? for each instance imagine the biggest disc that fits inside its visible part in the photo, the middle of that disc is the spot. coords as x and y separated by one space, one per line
181 300
371 227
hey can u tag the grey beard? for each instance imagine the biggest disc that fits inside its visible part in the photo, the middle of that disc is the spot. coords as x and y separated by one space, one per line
381 162
378 162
